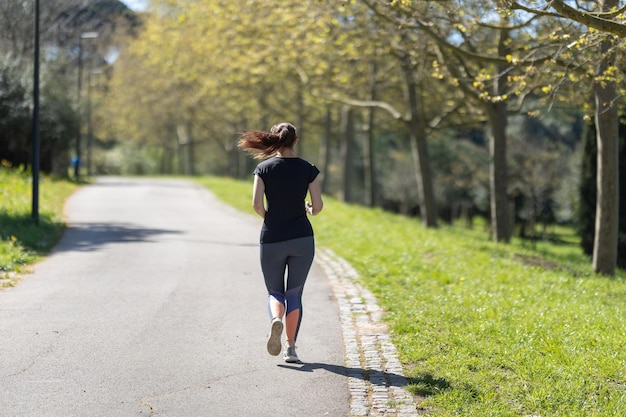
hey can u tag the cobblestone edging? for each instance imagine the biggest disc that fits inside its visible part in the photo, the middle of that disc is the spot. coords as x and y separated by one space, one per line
375 375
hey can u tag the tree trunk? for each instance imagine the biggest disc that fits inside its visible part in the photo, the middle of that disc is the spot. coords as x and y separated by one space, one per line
240 165
347 152
180 158
607 205
185 141
191 159
371 191
325 149
621 239
501 223
500 219
428 208
419 147
302 150
587 189
236 159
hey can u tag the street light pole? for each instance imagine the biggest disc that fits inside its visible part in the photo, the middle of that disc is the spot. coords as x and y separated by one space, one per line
89 128
36 139
90 86
77 160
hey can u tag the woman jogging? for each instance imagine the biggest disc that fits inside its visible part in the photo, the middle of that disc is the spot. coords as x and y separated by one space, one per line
287 243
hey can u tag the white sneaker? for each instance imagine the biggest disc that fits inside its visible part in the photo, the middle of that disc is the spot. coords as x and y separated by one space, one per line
273 343
290 355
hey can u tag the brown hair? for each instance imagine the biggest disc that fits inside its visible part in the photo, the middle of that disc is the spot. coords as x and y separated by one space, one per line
265 144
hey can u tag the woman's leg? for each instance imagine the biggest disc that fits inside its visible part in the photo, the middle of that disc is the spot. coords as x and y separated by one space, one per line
292 325
295 256
298 265
273 265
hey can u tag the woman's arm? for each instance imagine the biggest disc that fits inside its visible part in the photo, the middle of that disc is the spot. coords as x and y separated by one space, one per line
316 204
258 192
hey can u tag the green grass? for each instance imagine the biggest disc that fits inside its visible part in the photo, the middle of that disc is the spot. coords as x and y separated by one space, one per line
484 329
22 242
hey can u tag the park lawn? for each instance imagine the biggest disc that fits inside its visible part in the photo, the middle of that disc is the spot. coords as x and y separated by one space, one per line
21 241
483 329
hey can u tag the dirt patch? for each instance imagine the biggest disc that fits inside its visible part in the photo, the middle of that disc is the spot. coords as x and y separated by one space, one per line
537 261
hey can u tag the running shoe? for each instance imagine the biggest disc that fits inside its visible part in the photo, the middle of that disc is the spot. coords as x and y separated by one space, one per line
273 343
290 355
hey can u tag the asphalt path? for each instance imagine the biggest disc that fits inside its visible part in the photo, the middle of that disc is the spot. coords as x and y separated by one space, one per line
153 303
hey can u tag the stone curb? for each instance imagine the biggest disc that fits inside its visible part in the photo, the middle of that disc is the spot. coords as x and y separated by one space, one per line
375 375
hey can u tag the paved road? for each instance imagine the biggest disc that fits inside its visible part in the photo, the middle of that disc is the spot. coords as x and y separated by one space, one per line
153 304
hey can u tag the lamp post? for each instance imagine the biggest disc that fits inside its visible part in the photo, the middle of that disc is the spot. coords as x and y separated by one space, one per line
85 35
89 121
36 139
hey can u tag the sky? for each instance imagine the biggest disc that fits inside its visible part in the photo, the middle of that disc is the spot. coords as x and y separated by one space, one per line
135 4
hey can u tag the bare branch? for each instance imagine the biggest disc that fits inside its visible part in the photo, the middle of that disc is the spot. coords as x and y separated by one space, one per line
598 21
539 12
364 103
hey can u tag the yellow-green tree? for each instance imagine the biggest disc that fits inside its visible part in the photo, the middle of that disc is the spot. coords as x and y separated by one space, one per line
216 68
605 26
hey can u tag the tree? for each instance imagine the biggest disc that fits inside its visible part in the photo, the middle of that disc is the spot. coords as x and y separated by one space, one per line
14 115
539 164
496 109
62 22
221 67
605 97
412 72
253 65
483 77
602 16
606 115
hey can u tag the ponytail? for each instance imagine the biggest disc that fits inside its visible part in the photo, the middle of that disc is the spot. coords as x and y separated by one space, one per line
265 144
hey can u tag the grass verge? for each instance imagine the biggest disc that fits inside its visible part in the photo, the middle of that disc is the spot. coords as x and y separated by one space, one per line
22 242
483 329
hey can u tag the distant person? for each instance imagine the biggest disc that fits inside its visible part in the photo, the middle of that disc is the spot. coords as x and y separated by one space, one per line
287 243
76 165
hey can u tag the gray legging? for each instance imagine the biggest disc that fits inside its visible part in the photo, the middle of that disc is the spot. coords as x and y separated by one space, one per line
295 257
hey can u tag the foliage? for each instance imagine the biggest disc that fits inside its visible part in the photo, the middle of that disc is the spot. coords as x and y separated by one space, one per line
602 45
62 24
483 329
128 159
462 178
22 241
14 111
541 153
200 84
201 72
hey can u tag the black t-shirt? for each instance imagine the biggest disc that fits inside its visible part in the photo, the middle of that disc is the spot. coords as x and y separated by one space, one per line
286 185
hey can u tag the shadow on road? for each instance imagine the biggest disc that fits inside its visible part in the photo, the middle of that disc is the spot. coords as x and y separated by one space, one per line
143 182
379 378
90 236
87 237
